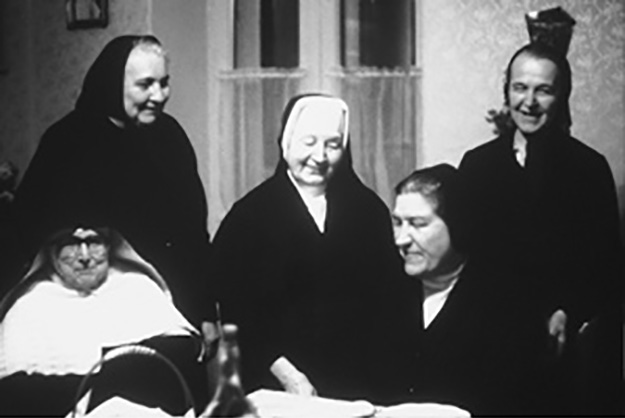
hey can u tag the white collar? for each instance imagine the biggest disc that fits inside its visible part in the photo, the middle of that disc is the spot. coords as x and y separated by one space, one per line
519 146
435 295
434 302
316 205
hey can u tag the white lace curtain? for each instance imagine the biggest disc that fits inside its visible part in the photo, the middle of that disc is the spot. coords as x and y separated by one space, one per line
383 128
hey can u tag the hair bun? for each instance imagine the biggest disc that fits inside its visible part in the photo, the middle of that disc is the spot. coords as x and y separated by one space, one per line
552 27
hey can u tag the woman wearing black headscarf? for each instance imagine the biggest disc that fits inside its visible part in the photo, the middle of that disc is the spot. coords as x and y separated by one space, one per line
305 264
119 160
522 194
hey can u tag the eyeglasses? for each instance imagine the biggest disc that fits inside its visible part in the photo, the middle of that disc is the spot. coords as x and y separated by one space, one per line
73 247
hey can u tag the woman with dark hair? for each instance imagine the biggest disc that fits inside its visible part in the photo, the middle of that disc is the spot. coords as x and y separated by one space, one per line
304 264
460 350
120 158
524 195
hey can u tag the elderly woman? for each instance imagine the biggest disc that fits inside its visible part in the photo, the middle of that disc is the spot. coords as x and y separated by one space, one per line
86 292
120 157
522 194
304 262
462 349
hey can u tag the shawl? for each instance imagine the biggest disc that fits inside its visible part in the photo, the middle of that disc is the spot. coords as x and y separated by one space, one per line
49 329
103 86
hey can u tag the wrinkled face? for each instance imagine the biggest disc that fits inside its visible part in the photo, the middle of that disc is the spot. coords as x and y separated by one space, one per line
146 86
421 235
315 148
82 261
533 93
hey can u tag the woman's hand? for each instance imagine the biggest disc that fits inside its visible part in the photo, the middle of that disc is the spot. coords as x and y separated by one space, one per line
557 329
292 380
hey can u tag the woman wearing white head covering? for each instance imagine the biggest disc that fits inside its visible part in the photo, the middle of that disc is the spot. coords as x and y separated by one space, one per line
303 262
86 292
313 143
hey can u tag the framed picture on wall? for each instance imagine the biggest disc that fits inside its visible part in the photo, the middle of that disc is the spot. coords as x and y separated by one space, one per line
83 14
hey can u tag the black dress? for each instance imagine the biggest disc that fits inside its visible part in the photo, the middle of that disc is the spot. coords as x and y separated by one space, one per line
554 224
556 218
470 355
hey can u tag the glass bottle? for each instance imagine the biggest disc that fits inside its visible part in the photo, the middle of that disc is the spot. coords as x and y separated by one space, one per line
229 398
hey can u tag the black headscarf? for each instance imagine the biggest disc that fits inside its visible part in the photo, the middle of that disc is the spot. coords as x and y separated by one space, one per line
103 86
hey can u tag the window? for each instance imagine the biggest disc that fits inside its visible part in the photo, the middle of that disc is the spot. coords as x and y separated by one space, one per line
378 33
266 34
381 83
263 52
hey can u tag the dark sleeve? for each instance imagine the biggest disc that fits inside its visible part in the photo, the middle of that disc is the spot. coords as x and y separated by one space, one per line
192 249
467 200
48 181
244 268
603 273
196 189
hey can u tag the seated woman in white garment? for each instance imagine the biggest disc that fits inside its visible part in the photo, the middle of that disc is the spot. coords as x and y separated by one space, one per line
86 292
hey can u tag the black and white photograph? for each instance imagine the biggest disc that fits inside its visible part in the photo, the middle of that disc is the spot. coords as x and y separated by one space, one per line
312 208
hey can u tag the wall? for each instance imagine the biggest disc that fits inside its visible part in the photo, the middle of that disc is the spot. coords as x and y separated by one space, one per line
466 47
183 31
46 65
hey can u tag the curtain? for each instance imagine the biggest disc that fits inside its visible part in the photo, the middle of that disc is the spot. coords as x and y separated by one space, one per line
251 104
383 125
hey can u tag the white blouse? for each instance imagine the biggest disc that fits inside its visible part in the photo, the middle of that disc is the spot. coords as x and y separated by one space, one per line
317 205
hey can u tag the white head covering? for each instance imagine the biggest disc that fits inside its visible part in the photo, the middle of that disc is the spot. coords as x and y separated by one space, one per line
50 329
312 113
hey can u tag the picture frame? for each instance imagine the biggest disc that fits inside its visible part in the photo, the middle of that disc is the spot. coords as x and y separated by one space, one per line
85 14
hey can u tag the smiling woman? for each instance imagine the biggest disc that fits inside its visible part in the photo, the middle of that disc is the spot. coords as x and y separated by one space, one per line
521 198
81 260
301 260
146 84
533 93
